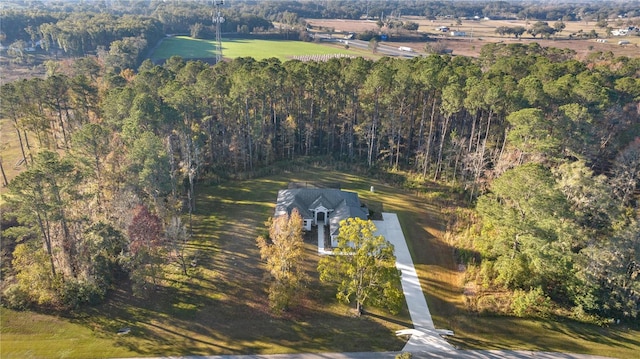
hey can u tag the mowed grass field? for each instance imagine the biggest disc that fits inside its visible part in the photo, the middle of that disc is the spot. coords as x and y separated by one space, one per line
185 47
190 48
222 308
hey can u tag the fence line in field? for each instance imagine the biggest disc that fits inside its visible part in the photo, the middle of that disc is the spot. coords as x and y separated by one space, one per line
320 58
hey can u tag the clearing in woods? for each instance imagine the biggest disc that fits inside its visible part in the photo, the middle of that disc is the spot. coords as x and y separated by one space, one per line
222 309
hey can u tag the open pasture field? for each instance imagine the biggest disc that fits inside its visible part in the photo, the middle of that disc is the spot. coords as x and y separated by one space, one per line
283 50
222 308
184 46
189 48
482 32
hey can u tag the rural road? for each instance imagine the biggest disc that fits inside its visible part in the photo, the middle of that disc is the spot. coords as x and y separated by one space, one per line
383 48
457 354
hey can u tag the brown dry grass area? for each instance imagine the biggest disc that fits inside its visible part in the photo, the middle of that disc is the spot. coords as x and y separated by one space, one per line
10 154
10 72
471 48
340 25
482 32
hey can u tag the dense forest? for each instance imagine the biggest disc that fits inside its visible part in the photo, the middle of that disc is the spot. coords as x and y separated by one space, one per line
546 146
273 10
545 149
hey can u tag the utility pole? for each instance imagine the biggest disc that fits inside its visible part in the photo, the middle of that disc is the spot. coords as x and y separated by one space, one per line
218 20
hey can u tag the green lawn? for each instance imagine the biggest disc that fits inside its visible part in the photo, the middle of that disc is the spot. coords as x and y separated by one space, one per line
187 47
33 335
222 308
487 332
283 50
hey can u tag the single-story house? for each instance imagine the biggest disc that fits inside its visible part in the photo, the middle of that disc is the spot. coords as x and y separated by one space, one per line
321 206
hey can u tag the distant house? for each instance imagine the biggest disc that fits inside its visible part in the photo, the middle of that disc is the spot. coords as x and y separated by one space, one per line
321 207
620 32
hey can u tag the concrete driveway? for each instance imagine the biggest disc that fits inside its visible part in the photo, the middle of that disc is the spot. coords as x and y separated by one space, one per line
424 337
426 341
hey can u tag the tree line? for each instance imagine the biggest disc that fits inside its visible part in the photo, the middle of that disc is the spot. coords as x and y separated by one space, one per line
123 38
78 29
546 146
345 9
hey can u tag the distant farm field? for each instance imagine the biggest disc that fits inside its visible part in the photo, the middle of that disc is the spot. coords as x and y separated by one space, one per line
190 48
184 47
478 33
281 49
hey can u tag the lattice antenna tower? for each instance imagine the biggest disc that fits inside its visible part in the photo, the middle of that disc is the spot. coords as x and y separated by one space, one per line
218 20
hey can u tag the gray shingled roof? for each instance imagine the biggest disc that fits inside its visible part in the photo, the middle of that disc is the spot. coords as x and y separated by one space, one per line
344 204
